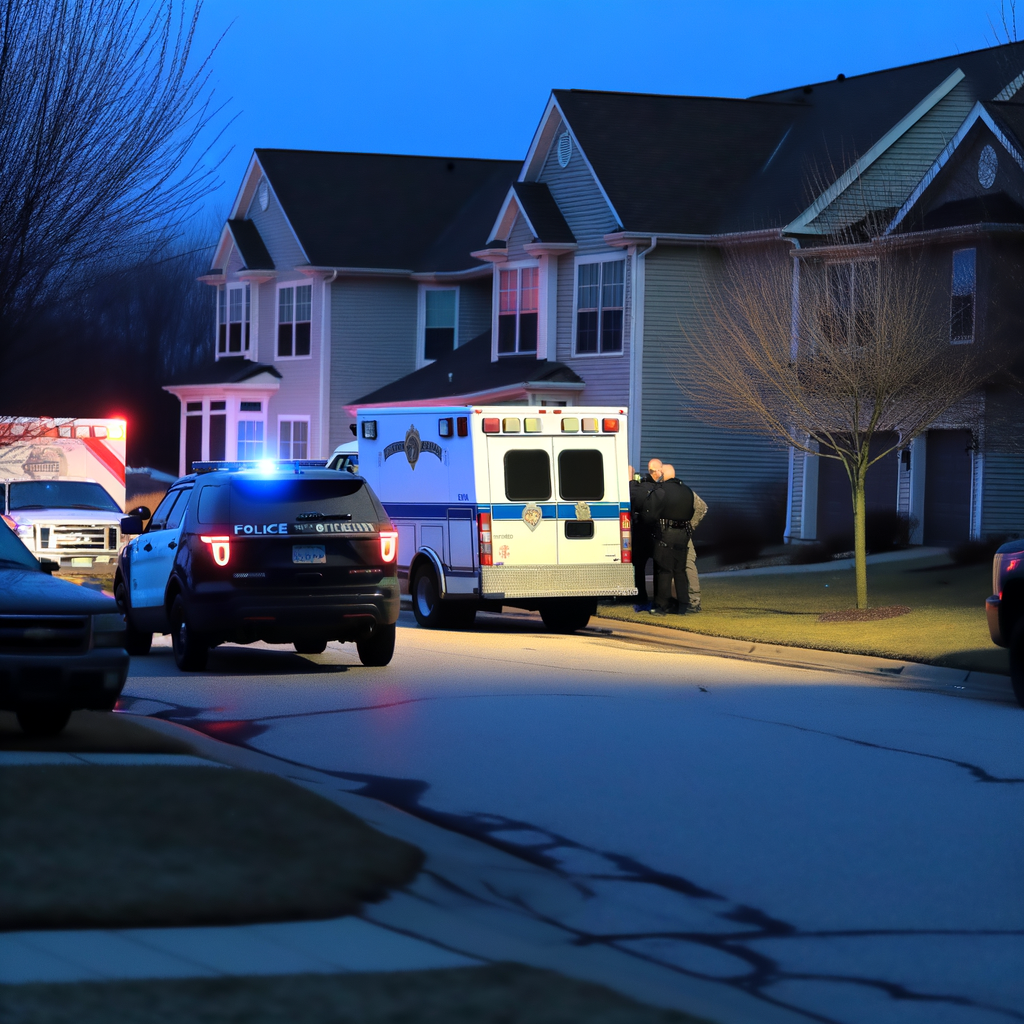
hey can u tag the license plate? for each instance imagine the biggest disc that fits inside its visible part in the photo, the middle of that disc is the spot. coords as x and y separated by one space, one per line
309 554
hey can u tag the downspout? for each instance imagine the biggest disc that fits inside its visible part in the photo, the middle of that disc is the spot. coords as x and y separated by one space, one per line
636 351
325 366
794 342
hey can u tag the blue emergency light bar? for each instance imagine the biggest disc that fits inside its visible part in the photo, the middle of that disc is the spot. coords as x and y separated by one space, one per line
265 465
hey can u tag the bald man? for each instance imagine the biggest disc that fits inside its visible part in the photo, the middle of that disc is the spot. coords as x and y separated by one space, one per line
643 540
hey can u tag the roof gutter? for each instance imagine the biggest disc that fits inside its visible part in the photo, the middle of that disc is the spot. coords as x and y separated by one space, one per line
623 239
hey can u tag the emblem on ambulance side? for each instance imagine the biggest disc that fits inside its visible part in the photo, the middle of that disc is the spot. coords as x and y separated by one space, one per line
532 515
413 447
582 510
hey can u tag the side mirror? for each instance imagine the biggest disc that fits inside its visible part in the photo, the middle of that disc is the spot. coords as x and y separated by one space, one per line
48 565
142 512
131 524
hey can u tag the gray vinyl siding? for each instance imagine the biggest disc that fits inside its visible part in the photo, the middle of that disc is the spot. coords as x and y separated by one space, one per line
373 334
895 174
579 198
474 309
725 468
797 496
1002 510
606 376
519 236
276 233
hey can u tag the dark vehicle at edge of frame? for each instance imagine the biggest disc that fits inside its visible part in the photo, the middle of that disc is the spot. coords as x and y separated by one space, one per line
1005 609
285 552
62 647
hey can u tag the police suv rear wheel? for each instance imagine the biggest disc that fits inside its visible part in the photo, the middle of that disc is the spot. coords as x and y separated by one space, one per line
378 648
190 649
426 598
136 642
567 616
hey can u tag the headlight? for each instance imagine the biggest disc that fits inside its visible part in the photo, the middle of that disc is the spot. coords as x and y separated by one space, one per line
108 630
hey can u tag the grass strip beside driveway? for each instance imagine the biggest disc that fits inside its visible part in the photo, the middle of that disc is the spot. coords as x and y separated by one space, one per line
946 624
506 993
102 846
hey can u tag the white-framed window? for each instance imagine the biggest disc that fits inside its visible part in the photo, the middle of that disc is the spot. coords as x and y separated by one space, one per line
518 290
294 321
250 431
962 299
233 308
293 437
440 317
600 303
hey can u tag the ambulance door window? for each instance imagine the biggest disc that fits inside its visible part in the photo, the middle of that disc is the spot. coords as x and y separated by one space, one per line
523 513
581 475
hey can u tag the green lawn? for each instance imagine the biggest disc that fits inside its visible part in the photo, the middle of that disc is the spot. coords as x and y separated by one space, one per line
945 627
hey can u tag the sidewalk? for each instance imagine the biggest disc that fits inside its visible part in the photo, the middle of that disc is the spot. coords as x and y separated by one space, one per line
472 904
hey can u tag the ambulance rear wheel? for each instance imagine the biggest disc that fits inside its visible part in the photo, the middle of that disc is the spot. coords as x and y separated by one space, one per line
426 598
567 616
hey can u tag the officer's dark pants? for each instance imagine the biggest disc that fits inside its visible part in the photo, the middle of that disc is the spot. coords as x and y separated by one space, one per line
670 566
643 549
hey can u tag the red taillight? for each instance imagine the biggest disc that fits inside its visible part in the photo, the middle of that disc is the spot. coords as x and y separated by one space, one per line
625 537
388 545
610 426
492 425
220 548
483 525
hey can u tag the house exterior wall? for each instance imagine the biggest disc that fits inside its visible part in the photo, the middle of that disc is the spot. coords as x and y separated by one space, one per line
275 231
474 309
737 470
373 338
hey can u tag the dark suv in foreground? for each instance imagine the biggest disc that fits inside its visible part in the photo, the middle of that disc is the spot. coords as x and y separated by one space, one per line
1005 609
236 553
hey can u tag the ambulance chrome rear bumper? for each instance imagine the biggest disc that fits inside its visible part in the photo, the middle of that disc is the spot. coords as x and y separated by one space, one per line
505 582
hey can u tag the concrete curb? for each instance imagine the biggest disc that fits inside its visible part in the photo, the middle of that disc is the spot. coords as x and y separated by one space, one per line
886 671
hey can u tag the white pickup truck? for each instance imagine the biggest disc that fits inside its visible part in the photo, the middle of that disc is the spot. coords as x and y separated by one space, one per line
63 487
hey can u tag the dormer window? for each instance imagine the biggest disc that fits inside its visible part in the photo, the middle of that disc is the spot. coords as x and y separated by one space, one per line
294 317
517 310
233 319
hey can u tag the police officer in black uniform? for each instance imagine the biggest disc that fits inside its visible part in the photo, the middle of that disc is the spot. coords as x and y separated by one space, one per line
668 512
640 489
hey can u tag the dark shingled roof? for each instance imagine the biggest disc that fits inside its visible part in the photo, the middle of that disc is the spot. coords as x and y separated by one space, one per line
1009 117
250 245
537 202
230 370
418 213
698 165
471 371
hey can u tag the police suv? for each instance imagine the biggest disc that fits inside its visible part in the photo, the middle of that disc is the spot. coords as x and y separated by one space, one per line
285 552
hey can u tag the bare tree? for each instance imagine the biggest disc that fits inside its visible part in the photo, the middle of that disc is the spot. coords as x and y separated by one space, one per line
102 113
861 355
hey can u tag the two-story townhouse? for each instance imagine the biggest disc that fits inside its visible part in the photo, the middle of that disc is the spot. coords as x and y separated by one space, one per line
334 274
607 246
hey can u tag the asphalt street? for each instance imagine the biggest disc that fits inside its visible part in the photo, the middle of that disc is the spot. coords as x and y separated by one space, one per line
825 843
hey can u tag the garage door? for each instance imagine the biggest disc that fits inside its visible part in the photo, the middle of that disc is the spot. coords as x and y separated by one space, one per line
835 507
947 487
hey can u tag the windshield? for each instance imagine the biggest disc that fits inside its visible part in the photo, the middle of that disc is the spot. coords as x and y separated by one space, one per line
61 494
14 554
268 501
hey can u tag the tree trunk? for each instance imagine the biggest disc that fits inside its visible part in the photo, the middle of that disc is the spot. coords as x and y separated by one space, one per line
860 547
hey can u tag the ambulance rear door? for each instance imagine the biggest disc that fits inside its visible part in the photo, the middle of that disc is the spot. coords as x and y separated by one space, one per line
523 515
588 505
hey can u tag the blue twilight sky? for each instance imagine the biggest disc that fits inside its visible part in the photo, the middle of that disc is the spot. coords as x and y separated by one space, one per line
460 78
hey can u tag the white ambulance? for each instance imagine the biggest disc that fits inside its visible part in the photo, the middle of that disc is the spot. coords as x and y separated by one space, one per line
503 505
